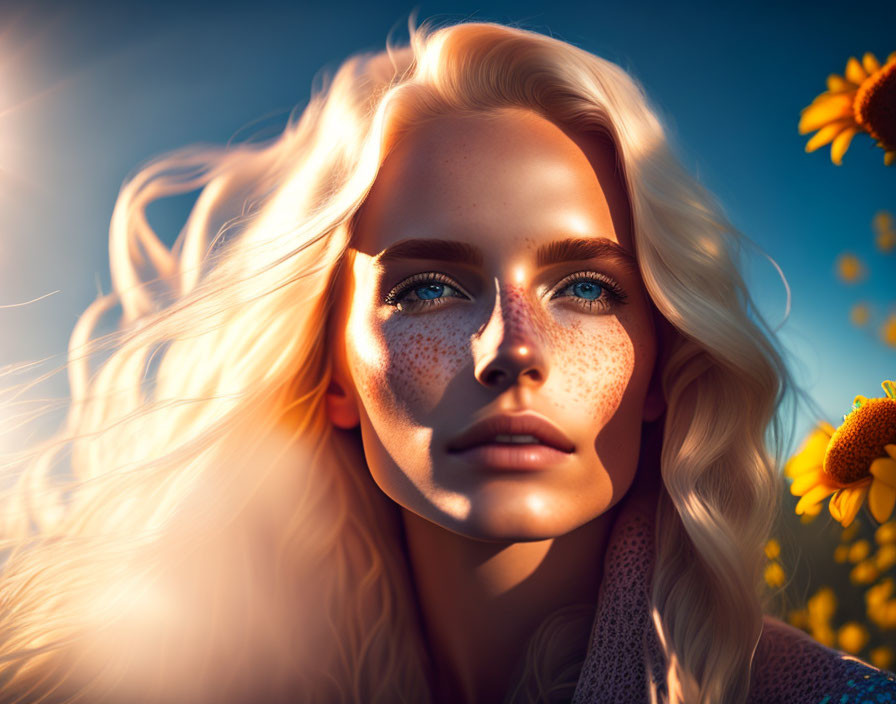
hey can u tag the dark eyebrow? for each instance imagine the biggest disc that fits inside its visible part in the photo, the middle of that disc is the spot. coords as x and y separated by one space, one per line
584 248
573 249
442 250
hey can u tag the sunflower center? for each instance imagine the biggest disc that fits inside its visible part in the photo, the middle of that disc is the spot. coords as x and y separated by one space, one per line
860 440
875 105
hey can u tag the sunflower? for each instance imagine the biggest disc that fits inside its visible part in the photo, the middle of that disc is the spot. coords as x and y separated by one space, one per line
862 99
855 461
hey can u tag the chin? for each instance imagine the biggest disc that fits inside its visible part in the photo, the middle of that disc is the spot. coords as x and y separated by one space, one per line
528 519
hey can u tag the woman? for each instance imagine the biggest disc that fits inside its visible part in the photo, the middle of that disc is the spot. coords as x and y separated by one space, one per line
448 394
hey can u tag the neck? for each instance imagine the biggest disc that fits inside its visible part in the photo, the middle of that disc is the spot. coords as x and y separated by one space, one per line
482 601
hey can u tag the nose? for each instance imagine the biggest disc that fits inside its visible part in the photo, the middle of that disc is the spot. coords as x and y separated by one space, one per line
511 350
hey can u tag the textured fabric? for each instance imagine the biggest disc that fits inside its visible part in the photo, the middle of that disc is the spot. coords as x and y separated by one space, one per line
793 668
624 652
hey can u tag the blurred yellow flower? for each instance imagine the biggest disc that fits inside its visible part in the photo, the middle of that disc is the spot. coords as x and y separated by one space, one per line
864 573
879 593
882 220
877 613
885 557
852 637
883 657
772 549
855 461
889 615
821 607
860 314
850 531
859 100
888 330
886 533
824 635
850 268
799 618
841 553
774 574
885 232
859 550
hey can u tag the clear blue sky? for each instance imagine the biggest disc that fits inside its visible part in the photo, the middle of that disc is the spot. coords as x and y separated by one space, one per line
88 91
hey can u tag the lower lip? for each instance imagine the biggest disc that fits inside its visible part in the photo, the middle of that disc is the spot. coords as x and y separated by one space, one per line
510 457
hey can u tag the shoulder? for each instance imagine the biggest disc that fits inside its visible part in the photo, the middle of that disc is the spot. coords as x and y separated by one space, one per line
790 667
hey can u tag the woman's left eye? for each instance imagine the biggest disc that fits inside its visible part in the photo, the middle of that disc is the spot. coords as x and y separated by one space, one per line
590 290
423 290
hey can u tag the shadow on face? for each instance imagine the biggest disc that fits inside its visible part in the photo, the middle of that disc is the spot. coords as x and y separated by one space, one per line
497 346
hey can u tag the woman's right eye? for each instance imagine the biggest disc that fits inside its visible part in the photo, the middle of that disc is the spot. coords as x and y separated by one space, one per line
423 290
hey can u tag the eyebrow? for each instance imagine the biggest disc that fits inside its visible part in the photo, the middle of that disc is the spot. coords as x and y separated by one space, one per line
441 250
576 249
568 250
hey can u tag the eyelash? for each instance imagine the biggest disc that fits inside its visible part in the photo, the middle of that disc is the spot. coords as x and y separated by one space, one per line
614 294
395 297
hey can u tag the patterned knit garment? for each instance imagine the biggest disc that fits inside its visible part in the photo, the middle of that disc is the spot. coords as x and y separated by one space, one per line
624 653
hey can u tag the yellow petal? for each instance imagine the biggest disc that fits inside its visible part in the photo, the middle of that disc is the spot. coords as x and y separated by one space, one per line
841 144
854 71
812 510
817 115
870 63
891 450
889 158
884 469
891 57
824 97
803 463
834 504
881 500
846 504
806 481
810 456
837 84
813 496
818 439
826 134
889 389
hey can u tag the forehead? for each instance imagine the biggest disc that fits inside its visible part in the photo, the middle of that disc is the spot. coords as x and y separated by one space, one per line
504 181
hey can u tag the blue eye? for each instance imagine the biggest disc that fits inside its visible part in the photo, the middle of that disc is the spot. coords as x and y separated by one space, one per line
423 290
427 293
592 291
586 289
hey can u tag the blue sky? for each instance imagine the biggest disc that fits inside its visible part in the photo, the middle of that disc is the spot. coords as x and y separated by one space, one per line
88 91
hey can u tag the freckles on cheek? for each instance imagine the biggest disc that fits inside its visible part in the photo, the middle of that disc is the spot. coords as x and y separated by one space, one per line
415 360
596 364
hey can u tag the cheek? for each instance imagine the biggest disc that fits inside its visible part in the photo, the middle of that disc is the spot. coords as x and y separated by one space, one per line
596 365
404 365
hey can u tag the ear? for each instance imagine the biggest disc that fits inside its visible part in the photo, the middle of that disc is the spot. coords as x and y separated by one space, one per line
342 407
341 397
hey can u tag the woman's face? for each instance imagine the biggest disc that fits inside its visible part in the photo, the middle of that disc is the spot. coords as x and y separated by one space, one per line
496 343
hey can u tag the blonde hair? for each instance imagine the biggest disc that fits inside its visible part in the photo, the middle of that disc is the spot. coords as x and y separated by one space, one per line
198 480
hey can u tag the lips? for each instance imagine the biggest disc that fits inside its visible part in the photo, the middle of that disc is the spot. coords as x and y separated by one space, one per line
486 432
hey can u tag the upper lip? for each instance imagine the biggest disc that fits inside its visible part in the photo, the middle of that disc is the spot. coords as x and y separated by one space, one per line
484 431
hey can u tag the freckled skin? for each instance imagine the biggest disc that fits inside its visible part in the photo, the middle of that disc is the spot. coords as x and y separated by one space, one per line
510 341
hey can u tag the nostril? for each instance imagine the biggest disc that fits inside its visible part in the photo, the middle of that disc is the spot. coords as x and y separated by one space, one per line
495 377
535 374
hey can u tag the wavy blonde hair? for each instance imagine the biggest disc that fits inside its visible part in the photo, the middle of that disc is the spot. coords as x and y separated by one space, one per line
199 531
